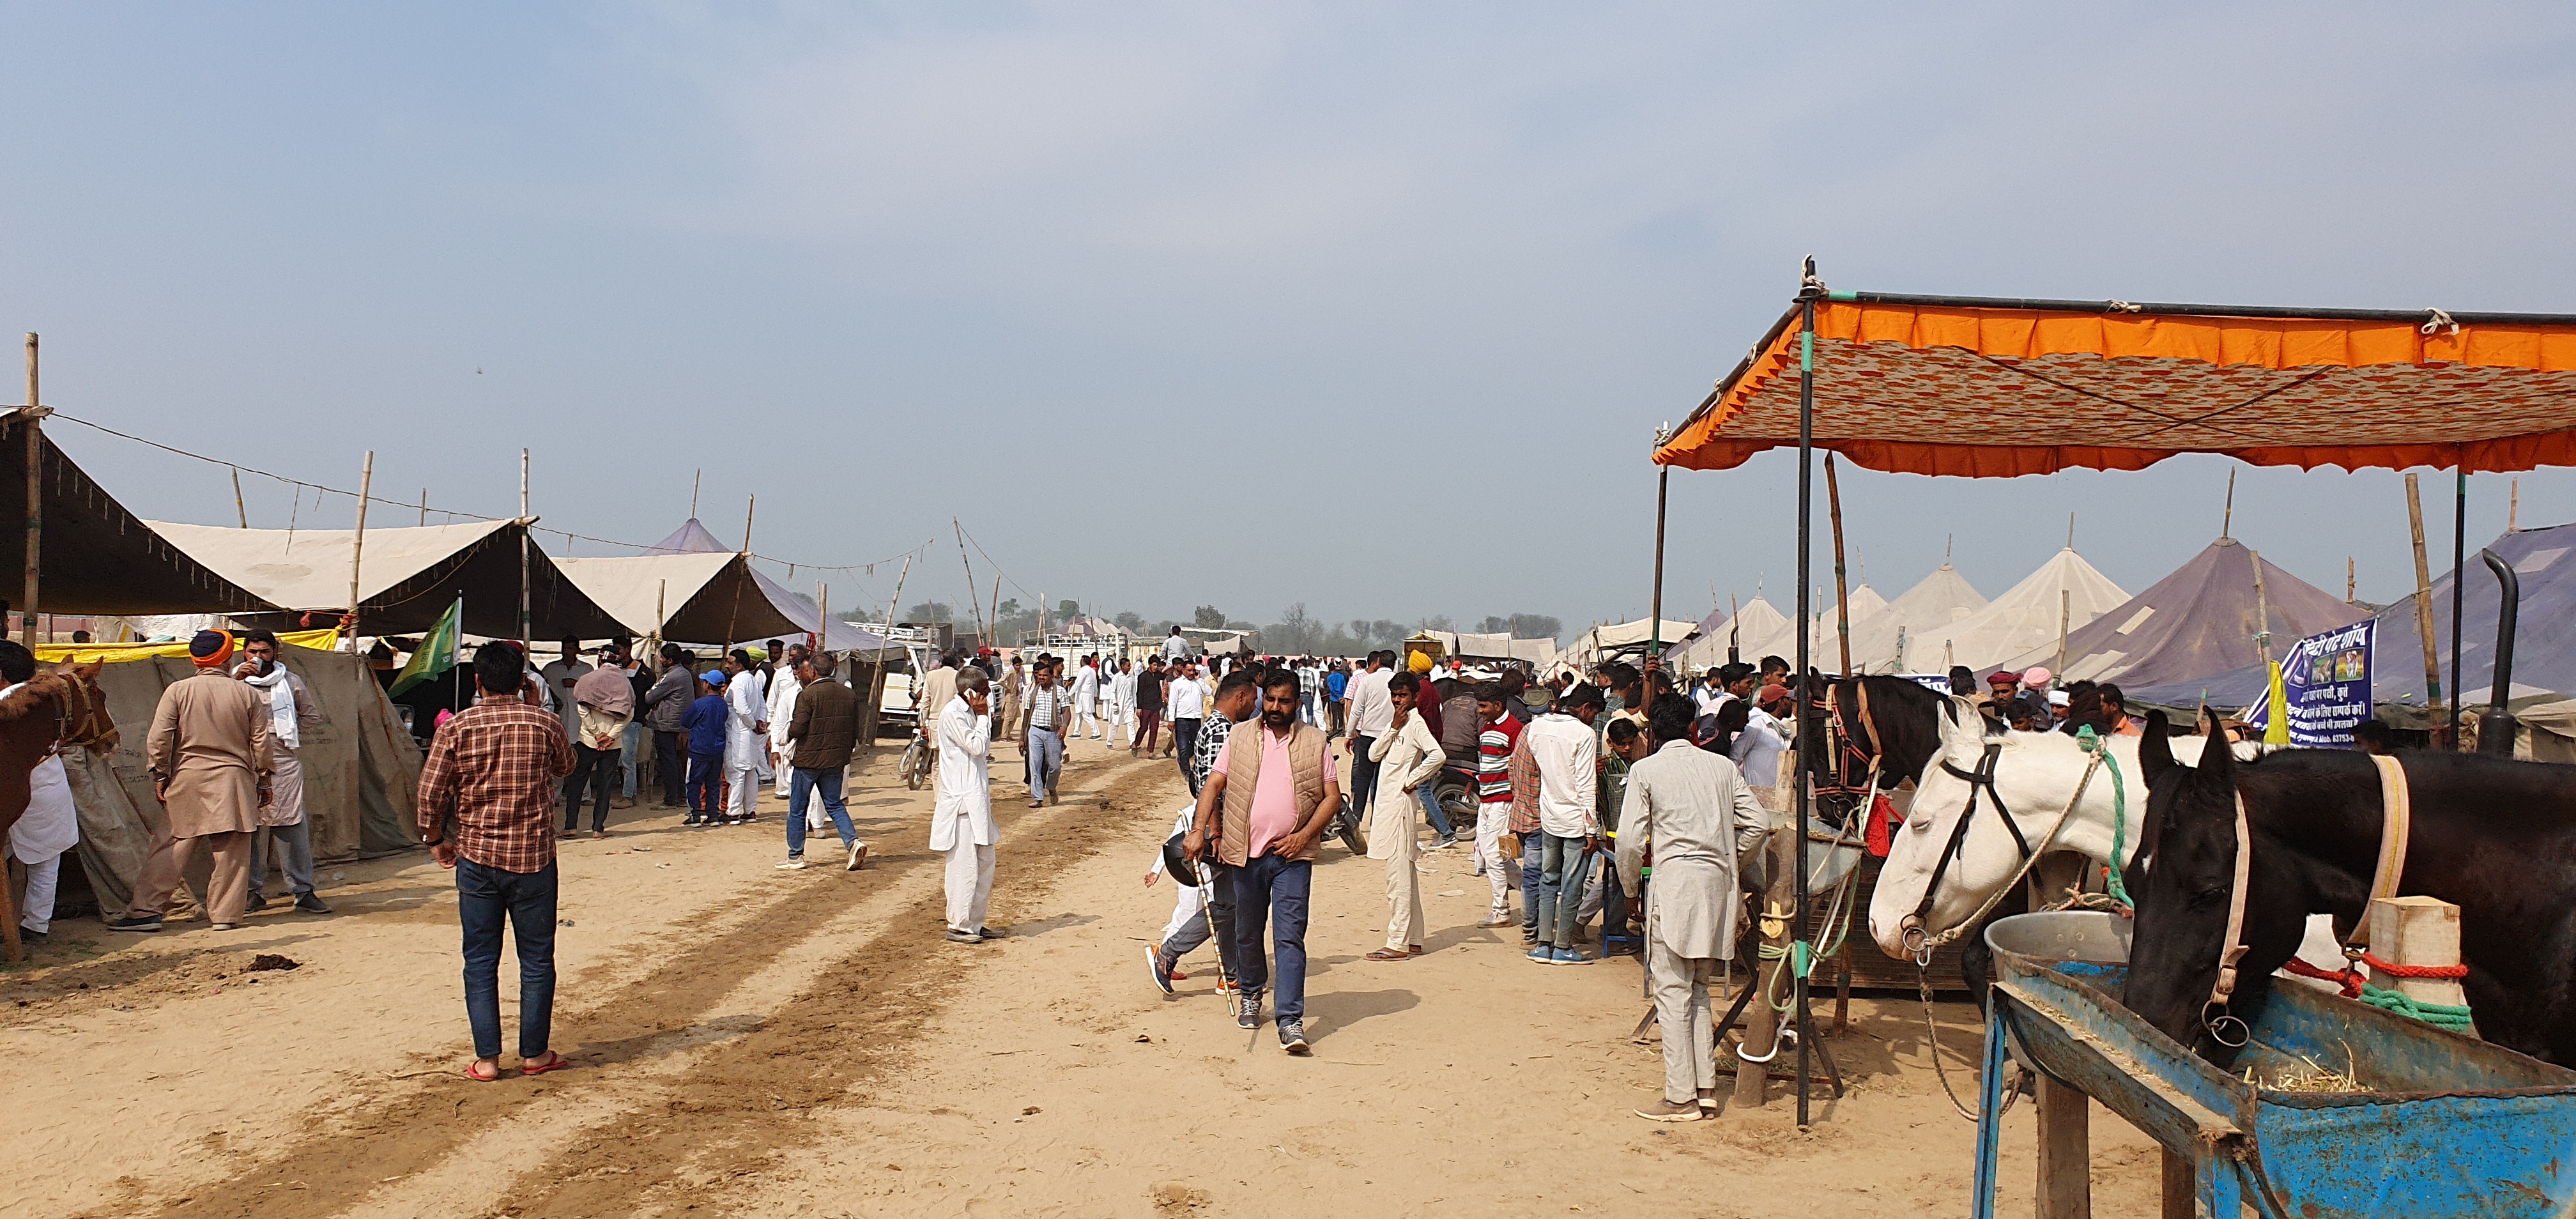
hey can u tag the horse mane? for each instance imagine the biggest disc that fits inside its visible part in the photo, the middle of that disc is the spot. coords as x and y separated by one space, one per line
39 691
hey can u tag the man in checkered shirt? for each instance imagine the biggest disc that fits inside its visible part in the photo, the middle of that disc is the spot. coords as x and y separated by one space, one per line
487 799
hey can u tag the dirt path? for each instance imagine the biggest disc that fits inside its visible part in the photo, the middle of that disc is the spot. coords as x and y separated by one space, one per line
755 1042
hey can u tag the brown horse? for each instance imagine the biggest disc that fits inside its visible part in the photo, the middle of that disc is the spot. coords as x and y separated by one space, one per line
56 709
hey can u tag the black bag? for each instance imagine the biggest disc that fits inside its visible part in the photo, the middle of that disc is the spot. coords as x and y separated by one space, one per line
1178 864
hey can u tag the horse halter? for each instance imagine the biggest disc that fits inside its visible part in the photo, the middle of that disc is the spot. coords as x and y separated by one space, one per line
1981 782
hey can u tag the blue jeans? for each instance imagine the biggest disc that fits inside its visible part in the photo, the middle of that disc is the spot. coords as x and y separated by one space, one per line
1046 761
803 782
631 754
1217 921
1363 777
1531 853
706 784
484 896
1429 794
1564 868
1270 890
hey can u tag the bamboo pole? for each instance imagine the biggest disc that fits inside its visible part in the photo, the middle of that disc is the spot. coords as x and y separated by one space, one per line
2065 620
424 502
32 417
1842 591
661 596
973 604
2351 578
2262 611
822 619
694 480
2227 520
733 613
2424 604
239 510
358 547
524 544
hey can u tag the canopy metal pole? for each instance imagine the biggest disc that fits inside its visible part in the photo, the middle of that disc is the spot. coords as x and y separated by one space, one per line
2459 558
1809 288
1655 608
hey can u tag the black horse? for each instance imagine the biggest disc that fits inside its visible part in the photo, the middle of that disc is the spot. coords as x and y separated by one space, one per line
2495 837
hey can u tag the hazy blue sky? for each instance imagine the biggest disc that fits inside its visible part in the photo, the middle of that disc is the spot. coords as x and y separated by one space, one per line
1415 282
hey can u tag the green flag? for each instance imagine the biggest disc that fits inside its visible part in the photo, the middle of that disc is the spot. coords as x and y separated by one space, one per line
437 651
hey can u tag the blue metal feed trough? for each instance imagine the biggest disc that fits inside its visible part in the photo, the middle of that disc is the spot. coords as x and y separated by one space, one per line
2447 1125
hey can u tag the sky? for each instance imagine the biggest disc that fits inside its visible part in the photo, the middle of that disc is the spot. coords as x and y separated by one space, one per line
1373 307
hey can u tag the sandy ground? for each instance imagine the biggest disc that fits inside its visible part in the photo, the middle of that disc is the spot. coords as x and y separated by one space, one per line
756 1042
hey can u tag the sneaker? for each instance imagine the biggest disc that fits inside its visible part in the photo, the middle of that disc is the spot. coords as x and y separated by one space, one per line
1292 1037
257 903
1497 920
1444 842
141 923
963 937
693 820
310 904
858 857
1543 954
1162 973
793 863
1247 1009
1667 1111
1571 956
991 933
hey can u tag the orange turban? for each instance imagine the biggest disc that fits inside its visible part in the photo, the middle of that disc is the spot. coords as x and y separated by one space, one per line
210 649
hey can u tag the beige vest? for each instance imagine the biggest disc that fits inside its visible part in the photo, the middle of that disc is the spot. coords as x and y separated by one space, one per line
1243 778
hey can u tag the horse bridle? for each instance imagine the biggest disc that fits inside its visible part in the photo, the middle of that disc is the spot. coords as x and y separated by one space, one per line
1981 782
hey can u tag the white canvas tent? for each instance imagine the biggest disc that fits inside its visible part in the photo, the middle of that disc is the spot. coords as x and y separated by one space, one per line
1538 653
2026 616
705 592
1824 650
1600 641
408 577
1753 622
1907 638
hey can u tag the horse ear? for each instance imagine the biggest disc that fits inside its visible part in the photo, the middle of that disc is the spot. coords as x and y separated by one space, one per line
2155 750
1963 730
91 670
2218 755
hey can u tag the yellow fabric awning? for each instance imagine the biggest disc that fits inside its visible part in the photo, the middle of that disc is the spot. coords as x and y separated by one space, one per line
1955 386
55 653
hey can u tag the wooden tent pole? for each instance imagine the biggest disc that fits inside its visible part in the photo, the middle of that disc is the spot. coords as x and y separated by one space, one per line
1842 588
239 511
32 417
734 613
525 643
424 502
2424 604
973 604
358 547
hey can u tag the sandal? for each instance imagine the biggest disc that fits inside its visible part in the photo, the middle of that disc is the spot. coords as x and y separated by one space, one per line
558 1063
478 1076
1388 954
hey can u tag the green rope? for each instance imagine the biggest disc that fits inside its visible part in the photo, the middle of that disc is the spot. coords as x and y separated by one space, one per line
2439 1015
2092 743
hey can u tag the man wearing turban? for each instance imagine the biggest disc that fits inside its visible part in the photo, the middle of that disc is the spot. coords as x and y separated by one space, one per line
209 754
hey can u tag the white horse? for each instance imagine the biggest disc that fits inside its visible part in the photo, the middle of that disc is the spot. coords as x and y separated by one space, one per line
2031 779
2028 778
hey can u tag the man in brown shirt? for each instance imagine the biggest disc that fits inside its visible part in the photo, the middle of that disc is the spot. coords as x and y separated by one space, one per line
487 798
822 735
209 754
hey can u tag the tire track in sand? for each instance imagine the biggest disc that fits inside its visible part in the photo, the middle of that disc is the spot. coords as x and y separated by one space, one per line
725 1115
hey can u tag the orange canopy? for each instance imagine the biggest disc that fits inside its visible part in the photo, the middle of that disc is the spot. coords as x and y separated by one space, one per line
1991 388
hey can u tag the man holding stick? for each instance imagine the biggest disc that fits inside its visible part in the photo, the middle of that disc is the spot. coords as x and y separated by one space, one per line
1265 806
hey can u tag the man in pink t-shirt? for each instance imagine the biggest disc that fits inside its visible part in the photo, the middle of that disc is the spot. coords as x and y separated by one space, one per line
1266 829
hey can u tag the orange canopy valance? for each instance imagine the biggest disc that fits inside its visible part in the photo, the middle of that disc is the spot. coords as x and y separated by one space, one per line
2001 388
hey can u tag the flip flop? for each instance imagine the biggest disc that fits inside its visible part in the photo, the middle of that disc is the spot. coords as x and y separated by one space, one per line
559 1063
1388 954
494 1077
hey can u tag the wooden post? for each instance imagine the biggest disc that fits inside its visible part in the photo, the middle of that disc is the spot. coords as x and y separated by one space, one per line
2350 580
1842 592
424 505
972 603
35 518
2065 1155
2227 519
238 509
2180 1186
823 618
524 544
1761 1022
2262 609
358 546
2424 613
2416 931
694 479
2065 619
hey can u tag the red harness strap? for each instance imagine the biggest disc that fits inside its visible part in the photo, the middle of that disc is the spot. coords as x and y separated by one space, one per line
2350 978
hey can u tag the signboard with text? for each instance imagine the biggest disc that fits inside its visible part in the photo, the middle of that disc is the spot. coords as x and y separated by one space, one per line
2325 682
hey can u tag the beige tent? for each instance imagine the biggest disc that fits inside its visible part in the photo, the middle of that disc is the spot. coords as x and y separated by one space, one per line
1600 641
1907 638
361 769
2026 616
1751 624
1824 649
700 598
1538 653
409 576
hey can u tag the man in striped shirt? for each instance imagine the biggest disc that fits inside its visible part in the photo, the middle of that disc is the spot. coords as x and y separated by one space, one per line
1497 733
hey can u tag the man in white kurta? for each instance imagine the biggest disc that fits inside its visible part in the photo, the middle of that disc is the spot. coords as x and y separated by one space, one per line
1408 756
746 737
1689 812
1086 699
782 711
961 822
